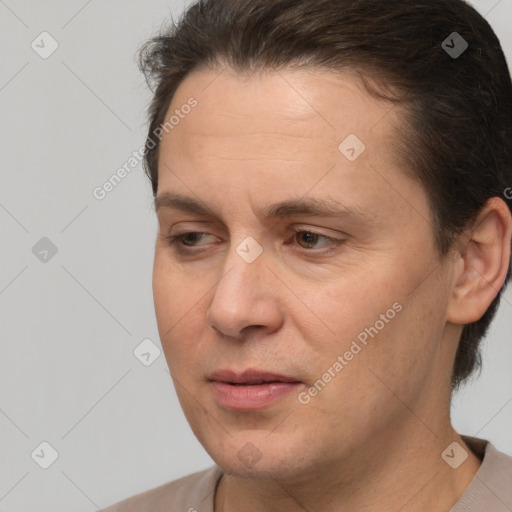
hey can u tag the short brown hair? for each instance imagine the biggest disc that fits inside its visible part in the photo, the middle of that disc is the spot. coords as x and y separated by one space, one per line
458 141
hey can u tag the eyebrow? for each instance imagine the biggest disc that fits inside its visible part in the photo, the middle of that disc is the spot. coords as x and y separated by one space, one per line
283 209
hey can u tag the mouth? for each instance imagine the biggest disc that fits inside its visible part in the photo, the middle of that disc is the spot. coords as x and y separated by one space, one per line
249 377
250 389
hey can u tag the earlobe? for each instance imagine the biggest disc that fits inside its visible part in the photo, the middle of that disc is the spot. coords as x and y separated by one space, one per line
483 264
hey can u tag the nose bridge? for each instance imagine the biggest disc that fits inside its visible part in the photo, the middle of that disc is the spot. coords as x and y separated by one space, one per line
244 262
242 273
241 297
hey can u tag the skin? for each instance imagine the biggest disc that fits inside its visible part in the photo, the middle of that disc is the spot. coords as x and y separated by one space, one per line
372 438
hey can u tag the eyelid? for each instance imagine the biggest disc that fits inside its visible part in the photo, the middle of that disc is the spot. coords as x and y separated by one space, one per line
334 244
291 230
317 231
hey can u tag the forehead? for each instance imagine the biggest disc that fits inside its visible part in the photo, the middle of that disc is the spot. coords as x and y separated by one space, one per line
291 101
264 133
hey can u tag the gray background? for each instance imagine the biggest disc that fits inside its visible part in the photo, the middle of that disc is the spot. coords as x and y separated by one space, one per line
70 324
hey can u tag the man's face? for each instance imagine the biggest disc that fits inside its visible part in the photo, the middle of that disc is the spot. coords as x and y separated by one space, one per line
352 307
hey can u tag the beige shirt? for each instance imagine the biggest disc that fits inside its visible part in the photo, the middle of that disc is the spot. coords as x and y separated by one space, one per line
489 491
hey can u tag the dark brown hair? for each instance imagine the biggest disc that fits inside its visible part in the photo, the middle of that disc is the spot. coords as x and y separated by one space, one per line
457 129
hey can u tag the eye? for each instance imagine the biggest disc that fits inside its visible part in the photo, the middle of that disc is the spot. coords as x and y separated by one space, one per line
188 239
306 239
315 243
309 238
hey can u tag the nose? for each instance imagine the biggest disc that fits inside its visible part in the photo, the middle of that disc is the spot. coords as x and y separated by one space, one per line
246 299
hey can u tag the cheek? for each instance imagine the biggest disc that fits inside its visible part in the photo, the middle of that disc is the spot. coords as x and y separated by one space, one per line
375 324
174 292
386 359
178 303
343 307
165 296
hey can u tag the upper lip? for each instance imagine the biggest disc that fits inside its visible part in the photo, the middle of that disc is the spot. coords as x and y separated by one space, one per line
249 376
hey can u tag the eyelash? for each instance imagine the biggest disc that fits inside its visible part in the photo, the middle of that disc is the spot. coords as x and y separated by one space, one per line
187 249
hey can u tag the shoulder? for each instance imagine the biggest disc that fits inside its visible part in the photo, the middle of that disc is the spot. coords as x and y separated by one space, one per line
491 487
189 493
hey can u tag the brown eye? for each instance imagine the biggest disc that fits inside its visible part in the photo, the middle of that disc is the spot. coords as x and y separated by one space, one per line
190 238
310 239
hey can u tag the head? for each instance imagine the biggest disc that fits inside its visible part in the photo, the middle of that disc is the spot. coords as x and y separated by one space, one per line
341 177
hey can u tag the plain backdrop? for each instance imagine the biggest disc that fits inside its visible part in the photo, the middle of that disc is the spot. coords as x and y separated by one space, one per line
75 278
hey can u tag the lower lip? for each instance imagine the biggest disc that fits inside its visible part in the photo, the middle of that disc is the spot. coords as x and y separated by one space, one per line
248 398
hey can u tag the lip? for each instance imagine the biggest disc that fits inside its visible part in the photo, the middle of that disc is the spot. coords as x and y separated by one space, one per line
260 389
249 376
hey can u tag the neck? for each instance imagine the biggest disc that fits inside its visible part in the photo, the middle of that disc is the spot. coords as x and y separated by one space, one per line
403 471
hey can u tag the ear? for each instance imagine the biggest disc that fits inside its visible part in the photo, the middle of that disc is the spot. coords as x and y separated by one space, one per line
483 261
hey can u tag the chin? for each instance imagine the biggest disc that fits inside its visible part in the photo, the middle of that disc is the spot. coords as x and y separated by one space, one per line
254 454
